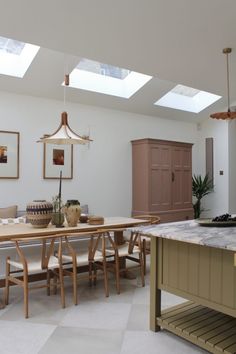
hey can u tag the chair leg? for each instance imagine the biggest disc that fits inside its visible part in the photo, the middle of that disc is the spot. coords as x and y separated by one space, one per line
117 271
54 283
74 277
7 281
48 282
141 268
144 256
94 274
63 303
90 273
26 294
105 276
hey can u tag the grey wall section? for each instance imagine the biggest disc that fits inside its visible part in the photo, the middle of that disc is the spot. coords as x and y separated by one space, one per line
232 166
210 159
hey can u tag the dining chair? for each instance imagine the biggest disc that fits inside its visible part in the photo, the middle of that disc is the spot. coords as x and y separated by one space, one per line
19 269
128 250
94 258
146 240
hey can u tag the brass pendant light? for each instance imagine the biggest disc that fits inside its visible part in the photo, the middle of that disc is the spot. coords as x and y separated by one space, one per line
228 114
64 134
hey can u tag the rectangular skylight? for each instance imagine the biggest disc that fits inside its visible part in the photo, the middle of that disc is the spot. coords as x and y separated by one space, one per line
16 56
187 99
107 79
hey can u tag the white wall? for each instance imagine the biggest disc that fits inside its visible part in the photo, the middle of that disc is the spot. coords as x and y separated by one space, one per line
102 173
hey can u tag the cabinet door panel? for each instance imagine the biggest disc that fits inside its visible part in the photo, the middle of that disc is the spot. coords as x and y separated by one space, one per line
160 177
187 189
182 181
160 196
177 190
187 178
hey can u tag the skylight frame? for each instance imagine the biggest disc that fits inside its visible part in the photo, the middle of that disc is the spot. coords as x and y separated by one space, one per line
108 85
17 64
195 104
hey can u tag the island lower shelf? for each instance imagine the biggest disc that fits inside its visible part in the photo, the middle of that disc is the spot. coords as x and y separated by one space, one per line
209 329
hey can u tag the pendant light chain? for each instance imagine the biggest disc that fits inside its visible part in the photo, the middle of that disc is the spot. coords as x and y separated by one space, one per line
226 115
66 81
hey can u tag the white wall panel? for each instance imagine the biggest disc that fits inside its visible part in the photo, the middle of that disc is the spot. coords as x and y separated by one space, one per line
102 172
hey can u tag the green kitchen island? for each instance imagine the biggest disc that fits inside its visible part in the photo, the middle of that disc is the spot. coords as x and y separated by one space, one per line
198 264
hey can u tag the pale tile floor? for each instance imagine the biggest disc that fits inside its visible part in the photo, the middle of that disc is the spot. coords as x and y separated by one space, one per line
98 325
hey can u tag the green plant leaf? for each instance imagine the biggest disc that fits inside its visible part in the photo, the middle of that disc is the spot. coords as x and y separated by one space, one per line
200 188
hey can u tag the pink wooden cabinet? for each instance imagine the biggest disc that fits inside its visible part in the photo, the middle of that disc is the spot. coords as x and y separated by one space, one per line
162 179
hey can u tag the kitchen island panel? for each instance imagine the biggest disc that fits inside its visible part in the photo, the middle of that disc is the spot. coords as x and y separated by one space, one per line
199 273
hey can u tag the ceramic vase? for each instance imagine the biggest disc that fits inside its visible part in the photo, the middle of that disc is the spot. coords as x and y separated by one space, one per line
72 212
39 213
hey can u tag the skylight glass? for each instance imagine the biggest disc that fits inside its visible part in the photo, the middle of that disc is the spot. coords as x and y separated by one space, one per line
11 46
107 79
187 99
16 56
103 69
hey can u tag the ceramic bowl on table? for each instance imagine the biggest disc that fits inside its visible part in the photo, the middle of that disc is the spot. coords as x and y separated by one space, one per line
83 218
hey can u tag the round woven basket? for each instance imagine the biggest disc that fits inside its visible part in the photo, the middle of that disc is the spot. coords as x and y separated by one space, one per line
39 213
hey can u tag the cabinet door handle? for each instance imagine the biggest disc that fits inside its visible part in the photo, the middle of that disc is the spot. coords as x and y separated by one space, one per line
172 176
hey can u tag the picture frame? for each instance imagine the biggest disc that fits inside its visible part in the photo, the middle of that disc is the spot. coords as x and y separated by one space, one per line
9 154
57 158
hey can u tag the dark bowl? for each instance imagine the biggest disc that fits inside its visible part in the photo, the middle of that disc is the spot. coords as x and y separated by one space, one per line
83 218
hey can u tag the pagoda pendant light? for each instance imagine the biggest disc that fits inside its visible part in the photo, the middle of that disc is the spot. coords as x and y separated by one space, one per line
64 134
228 114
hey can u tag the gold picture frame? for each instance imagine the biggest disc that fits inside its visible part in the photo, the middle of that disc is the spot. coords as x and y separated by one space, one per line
9 154
57 158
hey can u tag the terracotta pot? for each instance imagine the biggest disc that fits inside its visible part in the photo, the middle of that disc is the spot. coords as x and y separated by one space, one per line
39 213
72 212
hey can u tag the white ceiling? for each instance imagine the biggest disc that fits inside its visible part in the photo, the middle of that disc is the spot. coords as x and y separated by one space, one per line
174 41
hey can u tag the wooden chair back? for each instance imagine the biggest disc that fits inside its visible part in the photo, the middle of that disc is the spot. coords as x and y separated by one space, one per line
47 248
153 219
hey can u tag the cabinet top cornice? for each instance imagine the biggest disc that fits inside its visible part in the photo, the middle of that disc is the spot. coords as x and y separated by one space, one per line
160 141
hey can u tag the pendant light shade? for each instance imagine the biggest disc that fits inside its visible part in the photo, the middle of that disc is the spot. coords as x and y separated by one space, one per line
228 114
64 134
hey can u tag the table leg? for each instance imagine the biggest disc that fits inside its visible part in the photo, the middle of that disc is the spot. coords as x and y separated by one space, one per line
155 293
118 237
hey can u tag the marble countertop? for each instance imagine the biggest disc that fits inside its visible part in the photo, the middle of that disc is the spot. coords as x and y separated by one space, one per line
192 232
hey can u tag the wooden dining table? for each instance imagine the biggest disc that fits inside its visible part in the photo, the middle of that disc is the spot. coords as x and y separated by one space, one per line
11 231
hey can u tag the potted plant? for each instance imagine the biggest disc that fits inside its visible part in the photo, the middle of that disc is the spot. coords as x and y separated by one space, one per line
200 188
57 215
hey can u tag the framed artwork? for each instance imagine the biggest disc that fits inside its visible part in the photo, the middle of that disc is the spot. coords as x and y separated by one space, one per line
9 154
57 158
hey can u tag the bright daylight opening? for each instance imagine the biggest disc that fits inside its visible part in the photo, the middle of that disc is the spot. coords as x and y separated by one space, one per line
187 99
107 79
16 56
